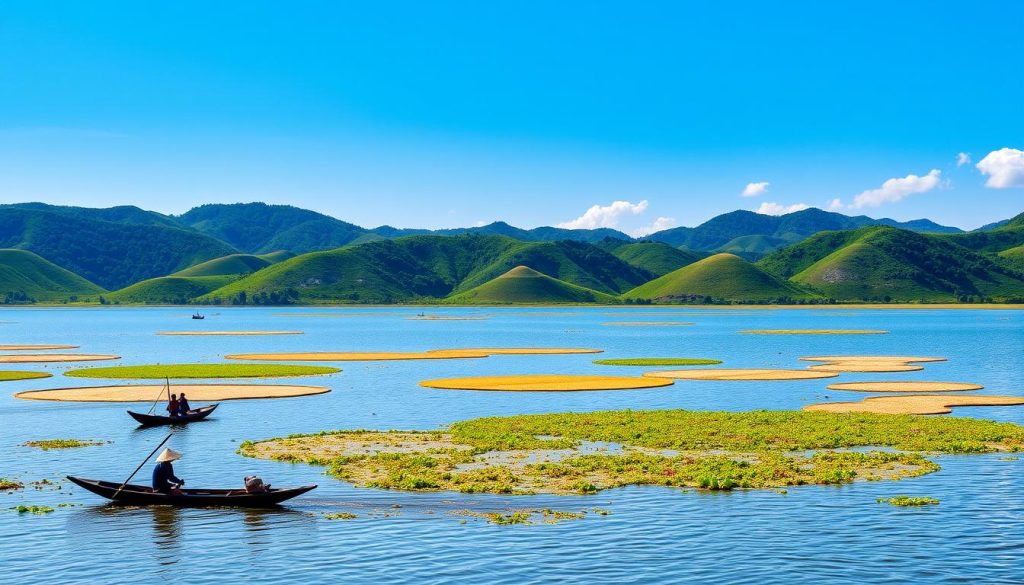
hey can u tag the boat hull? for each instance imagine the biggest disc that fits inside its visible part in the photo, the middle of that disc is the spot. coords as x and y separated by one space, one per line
138 495
152 420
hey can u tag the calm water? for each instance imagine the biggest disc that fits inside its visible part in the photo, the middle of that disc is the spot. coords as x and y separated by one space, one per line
653 535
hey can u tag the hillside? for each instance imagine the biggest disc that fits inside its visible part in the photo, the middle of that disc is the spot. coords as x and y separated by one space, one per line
733 231
169 290
231 264
27 277
722 277
525 285
881 263
993 241
1014 257
108 253
655 258
500 228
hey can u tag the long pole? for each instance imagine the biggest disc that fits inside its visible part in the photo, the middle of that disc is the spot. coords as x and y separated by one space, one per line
152 406
114 497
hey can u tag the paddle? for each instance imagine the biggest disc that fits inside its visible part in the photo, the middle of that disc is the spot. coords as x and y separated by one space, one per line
114 497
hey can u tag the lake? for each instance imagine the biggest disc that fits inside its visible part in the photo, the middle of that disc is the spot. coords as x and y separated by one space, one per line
811 534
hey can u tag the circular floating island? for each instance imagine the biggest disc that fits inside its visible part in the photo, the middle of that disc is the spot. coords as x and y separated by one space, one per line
38 358
742 374
657 362
161 371
919 404
905 386
36 347
900 359
229 333
815 331
546 383
867 367
195 392
434 354
12 375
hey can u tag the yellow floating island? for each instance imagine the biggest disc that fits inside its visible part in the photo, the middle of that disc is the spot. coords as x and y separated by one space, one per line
546 383
905 386
916 404
433 354
901 359
815 331
147 392
35 347
219 333
747 374
38 358
870 364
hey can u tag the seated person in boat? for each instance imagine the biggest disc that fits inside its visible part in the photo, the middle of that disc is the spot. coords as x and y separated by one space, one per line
183 406
255 485
172 405
164 480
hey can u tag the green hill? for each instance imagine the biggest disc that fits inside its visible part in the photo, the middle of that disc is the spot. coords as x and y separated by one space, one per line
525 285
1014 257
169 290
27 277
655 258
882 264
278 256
722 277
109 253
231 264
1008 235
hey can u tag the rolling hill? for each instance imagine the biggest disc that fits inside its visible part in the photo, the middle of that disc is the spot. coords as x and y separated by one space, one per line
883 264
28 277
722 277
655 258
237 264
108 253
524 285
169 290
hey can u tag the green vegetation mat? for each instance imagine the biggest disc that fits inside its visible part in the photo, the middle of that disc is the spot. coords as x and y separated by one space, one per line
588 452
7 484
657 362
47 444
11 375
202 371
905 501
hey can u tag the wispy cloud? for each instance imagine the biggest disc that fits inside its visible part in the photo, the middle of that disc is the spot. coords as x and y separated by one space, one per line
964 158
662 223
896 189
608 216
755 189
1004 168
771 208
835 205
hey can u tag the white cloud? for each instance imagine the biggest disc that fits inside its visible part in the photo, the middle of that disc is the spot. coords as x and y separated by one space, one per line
1004 167
662 223
755 189
608 216
835 205
893 190
964 158
768 208
480 223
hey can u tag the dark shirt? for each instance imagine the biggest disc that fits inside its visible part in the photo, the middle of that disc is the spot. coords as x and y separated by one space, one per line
172 407
183 406
163 477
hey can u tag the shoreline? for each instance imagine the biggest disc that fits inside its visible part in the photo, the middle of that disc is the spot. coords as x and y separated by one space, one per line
738 306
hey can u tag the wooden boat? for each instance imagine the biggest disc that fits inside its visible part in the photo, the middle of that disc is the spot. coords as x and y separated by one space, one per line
198 316
152 420
140 495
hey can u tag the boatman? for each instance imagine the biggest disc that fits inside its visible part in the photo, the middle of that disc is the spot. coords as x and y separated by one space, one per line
172 406
164 480
183 406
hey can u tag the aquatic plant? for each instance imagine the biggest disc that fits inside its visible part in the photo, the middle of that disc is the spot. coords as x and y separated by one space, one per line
909 501
37 510
160 371
47 444
340 516
11 375
10 484
657 362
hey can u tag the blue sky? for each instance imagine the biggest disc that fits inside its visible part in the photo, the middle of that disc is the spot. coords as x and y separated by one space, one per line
442 114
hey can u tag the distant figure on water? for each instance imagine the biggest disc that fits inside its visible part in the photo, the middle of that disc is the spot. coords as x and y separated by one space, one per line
183 406
164 480
172 405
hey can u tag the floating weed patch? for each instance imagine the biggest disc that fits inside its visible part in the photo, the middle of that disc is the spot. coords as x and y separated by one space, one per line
340 516
37 510
523 516
7 484
47 444
719 451
182 371
907 501
12 375
657 362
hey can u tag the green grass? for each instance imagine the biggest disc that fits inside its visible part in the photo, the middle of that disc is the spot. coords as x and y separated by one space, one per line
523 285
47 444
657 362
909 501
340 516
10 375
179 371
226 265
722 277
25 277
173 290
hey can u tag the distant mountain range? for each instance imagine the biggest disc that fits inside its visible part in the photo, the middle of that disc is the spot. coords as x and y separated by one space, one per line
255 253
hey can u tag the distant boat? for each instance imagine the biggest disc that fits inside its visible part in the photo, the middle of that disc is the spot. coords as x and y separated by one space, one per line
152 420
198 316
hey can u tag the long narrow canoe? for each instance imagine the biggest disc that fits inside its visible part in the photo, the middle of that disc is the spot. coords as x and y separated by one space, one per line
140 495
152 420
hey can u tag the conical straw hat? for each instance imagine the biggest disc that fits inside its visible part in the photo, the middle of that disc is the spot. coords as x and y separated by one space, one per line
168 455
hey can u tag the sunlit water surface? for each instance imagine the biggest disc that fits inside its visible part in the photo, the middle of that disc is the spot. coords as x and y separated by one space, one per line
652 534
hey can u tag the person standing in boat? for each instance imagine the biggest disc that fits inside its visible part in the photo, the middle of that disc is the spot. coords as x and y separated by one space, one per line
183 406
172 405
164 480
